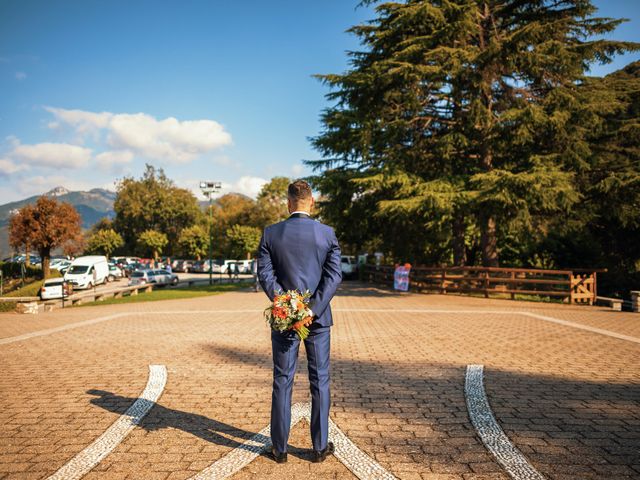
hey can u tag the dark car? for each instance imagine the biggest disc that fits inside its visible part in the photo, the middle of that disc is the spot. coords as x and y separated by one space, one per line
134 267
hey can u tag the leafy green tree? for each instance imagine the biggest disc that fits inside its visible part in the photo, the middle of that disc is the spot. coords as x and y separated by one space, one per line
153 203
153 242
272 202
243 240
105 242
464 119
194 242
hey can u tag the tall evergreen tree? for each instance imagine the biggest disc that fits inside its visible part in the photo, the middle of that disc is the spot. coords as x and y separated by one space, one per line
464 117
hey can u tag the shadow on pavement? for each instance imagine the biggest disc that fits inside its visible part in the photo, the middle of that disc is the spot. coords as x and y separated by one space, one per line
161 417
206 428
569 428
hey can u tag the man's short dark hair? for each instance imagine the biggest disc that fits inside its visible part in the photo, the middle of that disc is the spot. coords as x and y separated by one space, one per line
299 190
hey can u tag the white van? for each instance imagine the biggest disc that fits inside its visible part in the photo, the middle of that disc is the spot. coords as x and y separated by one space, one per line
86 272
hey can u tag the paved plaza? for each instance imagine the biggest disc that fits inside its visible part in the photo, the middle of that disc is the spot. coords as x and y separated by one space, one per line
423 387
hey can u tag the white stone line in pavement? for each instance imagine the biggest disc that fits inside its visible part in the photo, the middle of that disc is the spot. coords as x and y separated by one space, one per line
587 328
88 458
244 454
62 328
493 437
565 323
359 463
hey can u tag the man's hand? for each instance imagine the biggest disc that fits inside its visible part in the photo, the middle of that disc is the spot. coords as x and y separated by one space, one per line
307 321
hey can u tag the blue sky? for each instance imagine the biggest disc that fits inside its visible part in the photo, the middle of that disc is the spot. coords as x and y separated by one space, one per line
208 90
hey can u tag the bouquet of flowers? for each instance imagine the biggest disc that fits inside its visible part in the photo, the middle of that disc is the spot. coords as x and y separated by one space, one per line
288 311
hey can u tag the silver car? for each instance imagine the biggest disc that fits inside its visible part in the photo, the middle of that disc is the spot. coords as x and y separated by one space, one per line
141 277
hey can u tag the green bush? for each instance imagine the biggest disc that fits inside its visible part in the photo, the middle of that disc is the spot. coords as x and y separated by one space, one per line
13 270
31 289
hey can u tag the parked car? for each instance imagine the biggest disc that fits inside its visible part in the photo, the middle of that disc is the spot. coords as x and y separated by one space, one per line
162 277
21 258
182 265
201 267
133 267
87 272
60 265
349 266
141 277
53 288
221 266
114 272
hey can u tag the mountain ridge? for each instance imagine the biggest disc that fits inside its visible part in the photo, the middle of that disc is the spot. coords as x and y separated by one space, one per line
92 205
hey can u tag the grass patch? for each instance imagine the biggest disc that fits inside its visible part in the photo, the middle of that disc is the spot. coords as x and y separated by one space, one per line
29 290
7 307
173 294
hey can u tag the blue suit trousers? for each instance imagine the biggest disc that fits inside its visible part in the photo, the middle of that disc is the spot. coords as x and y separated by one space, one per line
285 348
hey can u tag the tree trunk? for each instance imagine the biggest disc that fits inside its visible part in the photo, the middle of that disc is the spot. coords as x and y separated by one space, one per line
488 240
45 257
27 258
459 248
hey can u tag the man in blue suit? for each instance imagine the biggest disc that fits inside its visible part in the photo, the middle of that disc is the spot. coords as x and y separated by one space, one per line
301 254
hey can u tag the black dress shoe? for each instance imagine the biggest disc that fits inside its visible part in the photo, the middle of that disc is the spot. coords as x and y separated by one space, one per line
279 457
321 456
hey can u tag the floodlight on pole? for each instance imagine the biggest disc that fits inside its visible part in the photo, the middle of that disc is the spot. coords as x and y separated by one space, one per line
208 189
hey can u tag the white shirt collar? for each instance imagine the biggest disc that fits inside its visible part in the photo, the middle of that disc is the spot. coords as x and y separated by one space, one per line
300 211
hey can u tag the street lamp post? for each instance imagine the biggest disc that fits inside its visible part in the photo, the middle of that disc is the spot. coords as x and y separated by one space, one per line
208 189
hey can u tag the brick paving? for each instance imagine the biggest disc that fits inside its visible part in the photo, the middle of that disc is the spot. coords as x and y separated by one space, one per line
567 398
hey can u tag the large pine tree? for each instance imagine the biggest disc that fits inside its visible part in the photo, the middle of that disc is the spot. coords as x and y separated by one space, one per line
459 123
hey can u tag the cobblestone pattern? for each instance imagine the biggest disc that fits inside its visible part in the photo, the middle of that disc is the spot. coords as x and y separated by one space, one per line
568 399
82 463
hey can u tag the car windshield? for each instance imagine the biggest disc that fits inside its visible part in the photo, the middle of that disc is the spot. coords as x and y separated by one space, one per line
78 269
218 262
137 274
53 284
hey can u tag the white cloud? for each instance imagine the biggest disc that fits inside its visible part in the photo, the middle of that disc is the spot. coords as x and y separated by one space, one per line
21 75
7 167
170 140
114 159
297 170
56 155
247 185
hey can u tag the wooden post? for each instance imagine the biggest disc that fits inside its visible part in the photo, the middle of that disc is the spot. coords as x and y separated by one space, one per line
571 284
443 282
486 284
635 301
511 285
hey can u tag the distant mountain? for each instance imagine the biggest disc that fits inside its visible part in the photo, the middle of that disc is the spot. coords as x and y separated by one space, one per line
92 206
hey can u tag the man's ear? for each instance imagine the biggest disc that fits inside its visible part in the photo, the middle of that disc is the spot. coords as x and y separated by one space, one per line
289 205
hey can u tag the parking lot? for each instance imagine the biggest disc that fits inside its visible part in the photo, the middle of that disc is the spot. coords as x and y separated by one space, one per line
423 387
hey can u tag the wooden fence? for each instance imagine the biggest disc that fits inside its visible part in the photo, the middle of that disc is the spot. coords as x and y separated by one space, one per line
574 286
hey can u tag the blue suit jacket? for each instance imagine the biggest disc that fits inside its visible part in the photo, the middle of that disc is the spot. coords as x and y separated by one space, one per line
301 254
